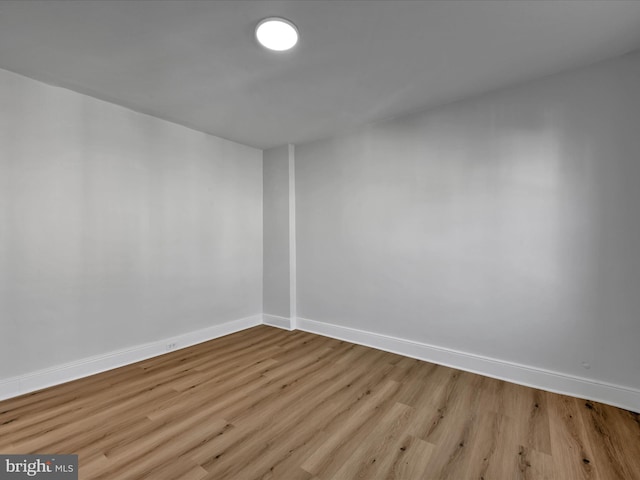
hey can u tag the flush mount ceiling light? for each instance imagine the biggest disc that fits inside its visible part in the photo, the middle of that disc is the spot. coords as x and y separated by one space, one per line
277 34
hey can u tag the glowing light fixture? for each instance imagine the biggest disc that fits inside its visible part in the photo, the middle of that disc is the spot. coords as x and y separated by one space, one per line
277 33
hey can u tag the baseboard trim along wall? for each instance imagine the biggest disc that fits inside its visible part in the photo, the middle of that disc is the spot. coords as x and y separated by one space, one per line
277 321
30 382
615 395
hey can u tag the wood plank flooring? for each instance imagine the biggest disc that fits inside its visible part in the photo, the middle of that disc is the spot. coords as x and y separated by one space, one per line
269 404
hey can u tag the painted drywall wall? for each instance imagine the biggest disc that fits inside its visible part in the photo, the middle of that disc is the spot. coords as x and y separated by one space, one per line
276 287
506 226
116 228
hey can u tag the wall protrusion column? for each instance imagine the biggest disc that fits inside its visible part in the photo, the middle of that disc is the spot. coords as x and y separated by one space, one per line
279 260
292 237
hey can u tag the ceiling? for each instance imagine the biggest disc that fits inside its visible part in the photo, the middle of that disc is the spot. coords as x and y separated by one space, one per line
196 63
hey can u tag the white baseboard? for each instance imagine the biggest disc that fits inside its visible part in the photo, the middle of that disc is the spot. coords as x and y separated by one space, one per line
12 387
277 321
9 388
616 395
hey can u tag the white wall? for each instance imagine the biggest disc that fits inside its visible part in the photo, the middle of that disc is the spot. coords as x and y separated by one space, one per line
276 266
117 228
506 226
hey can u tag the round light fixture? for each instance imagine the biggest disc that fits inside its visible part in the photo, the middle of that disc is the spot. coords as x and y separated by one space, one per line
277 33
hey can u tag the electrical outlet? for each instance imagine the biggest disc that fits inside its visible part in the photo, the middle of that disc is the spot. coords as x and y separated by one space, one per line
171 346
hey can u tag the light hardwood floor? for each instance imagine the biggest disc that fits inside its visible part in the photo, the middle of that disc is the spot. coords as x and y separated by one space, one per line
266 403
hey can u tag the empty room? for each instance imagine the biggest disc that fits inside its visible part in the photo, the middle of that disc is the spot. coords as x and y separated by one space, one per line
320 239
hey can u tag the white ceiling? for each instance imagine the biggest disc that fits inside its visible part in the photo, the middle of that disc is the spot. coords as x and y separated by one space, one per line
196 62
